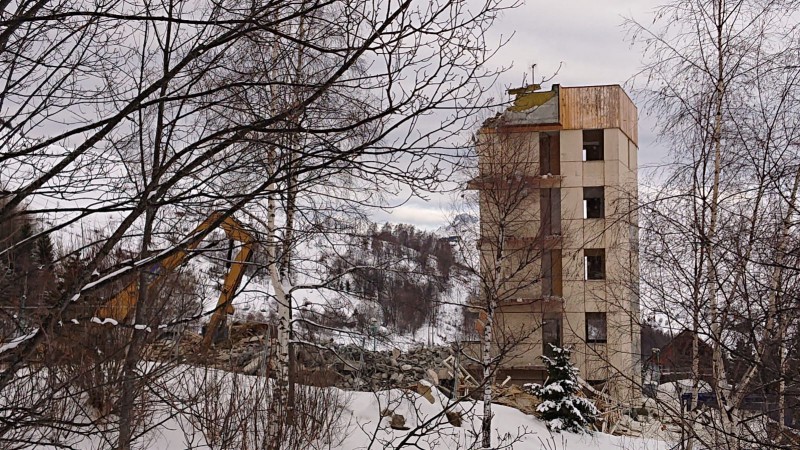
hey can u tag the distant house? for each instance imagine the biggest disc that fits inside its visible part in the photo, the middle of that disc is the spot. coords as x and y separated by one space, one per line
675 358
675 362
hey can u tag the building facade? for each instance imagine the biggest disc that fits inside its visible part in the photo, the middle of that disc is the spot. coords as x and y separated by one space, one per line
557 185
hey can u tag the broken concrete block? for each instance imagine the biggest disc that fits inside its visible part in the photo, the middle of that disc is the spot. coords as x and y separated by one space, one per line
425 390
398 422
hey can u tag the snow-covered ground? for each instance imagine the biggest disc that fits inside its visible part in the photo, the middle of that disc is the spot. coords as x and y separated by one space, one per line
512 428
362 423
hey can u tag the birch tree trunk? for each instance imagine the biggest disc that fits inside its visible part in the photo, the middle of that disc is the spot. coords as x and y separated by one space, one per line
782 369
488 339
281 388
488 378
718 366
695 377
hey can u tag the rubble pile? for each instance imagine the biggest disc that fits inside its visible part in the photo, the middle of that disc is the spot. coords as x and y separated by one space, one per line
360 368
515 397
348 367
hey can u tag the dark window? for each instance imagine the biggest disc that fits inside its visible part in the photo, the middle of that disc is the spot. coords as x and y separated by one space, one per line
557 286
550 211
549 153
596 328
551 333
595 263
593 202
547 274
592 145
551 273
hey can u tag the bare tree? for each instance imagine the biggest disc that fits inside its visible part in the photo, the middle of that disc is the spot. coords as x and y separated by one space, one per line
156 113
722 78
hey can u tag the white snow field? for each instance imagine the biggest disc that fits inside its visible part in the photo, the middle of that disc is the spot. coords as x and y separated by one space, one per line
361 424
512 428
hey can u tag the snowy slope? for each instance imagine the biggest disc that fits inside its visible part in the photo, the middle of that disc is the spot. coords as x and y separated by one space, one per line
255 300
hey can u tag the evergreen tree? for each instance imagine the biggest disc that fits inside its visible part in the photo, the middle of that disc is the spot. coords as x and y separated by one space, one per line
561 408
44 253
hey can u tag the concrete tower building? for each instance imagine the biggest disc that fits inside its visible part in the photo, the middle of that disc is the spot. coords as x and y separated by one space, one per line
558 186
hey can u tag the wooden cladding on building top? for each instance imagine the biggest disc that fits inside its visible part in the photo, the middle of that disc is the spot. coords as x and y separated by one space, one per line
568 108
598 107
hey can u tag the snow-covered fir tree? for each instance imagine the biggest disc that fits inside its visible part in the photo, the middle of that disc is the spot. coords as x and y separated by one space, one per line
561 408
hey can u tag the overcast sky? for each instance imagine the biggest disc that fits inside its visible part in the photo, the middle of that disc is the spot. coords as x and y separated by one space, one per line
587 36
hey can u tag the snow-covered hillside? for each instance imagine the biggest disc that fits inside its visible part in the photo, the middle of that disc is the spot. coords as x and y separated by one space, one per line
339 300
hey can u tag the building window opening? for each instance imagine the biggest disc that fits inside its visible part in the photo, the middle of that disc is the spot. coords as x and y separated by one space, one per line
549 153
550 211
552 285
596 327
592 145
595 263
593 203
551 333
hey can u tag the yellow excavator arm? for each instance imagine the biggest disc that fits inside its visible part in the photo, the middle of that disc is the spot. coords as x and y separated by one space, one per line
121 304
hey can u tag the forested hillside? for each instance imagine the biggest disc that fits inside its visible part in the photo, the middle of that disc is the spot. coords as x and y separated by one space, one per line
407 272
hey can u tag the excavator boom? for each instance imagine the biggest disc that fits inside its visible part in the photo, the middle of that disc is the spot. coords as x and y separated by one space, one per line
120 306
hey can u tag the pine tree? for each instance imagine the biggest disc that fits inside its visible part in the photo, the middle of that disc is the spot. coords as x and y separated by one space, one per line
43 252
561 408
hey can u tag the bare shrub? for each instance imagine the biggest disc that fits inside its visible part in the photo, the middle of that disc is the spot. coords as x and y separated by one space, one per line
233 411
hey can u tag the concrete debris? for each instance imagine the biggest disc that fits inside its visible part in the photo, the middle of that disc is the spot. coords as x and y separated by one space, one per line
432 376
513 396
454 417
425 390
349 367
398 422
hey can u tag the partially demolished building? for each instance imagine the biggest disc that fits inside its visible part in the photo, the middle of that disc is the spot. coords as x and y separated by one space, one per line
574 152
